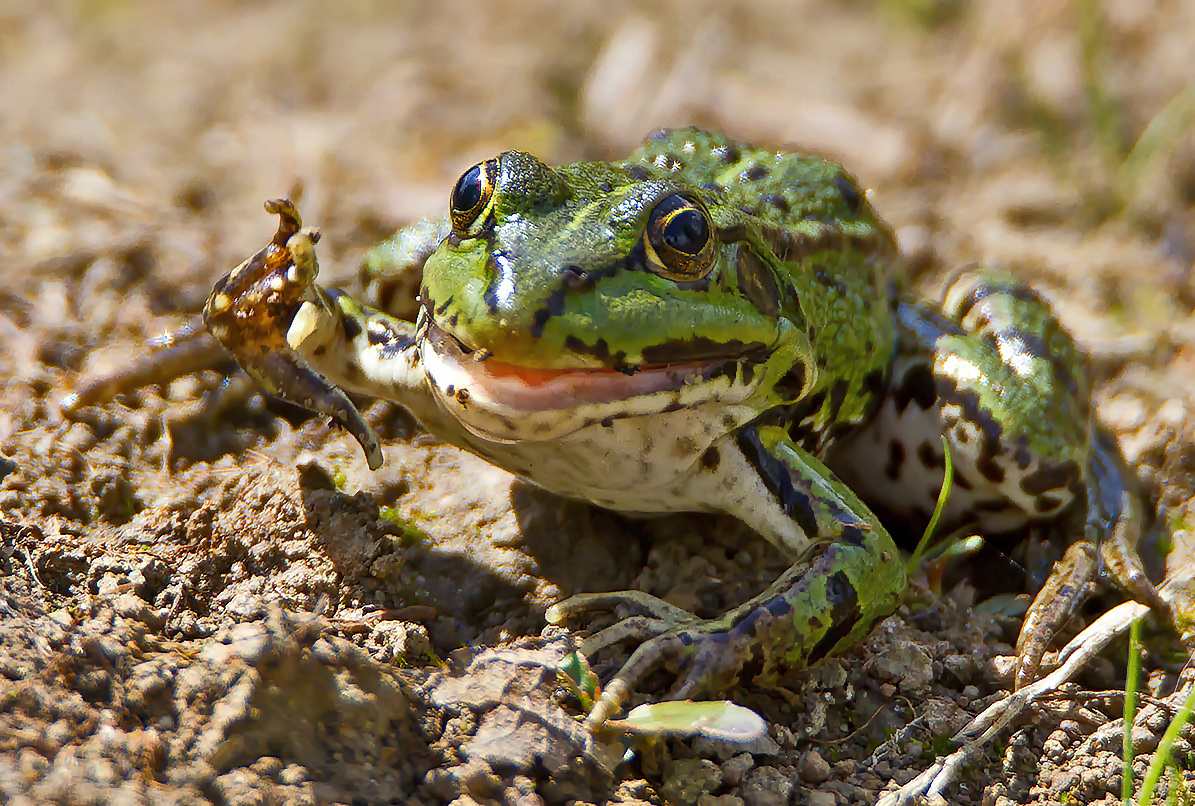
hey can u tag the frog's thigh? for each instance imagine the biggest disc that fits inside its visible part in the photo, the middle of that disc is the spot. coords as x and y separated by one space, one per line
1013 392
999 379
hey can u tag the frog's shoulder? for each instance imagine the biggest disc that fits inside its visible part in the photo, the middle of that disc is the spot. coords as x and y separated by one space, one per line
782 188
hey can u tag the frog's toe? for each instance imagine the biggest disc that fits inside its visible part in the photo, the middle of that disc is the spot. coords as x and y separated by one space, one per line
633 628
652 605
707 659
1064 591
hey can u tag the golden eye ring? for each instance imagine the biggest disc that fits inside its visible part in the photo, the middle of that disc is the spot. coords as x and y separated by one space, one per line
472 199
679 240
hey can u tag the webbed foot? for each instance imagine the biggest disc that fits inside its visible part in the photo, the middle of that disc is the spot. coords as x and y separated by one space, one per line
251 310
1108 546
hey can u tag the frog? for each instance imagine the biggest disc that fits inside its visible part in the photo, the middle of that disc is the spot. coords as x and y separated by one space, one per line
706 326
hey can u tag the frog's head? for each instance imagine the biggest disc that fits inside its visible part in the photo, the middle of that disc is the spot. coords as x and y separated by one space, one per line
588 291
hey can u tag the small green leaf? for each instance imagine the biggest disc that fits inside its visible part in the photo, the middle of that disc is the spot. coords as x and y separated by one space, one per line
719 720
581 680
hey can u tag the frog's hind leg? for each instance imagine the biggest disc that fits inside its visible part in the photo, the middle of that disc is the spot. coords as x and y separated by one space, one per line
994 373
1040 379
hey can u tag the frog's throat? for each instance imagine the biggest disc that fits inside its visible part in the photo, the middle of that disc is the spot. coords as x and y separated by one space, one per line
507 403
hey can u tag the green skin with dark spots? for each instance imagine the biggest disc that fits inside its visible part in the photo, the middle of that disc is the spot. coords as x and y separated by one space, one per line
769 372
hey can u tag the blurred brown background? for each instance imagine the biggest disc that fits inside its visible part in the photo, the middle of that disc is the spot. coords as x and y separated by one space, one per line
982 120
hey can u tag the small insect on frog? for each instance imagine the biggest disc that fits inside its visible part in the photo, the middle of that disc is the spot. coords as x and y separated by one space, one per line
709 326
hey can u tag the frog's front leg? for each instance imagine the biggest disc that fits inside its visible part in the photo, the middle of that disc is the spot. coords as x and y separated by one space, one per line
307 344
389 276
847 576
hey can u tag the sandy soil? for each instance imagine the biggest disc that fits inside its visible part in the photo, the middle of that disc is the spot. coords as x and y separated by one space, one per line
207 597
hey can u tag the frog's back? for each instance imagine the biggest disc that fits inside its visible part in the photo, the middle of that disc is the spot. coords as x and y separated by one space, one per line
793 192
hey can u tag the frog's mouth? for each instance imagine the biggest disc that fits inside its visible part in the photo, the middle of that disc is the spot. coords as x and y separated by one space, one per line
507 402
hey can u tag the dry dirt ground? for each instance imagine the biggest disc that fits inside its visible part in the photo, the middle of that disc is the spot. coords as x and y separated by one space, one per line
207 597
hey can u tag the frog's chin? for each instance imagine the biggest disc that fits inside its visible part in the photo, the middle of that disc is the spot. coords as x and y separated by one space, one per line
504 402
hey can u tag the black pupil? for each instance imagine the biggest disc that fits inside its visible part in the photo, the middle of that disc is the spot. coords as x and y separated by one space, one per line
467 193
686 231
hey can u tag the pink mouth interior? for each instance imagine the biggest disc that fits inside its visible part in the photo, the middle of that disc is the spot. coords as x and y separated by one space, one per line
537 389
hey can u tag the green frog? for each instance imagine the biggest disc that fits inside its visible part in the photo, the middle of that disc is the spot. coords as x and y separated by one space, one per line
709 327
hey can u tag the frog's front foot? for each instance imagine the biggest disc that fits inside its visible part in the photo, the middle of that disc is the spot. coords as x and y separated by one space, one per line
708 653
253 310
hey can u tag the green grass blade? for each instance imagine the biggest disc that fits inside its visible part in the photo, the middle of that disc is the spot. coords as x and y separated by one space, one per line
931 527
1131 682
1159 140
1163 755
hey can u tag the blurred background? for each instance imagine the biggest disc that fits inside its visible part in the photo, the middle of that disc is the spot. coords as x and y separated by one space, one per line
1063 111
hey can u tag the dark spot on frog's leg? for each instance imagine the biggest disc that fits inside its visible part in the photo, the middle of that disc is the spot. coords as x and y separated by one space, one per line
792 384
1064 476
352 328
960 480
778 606
838 394
776 478
929 457
1021 454
874 383
990 470
745 627
917 384
638 173
844 614
711 458
896 458
850 192
973 410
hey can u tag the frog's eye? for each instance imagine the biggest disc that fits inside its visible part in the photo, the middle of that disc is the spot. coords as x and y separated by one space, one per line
472 198
679 240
